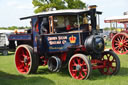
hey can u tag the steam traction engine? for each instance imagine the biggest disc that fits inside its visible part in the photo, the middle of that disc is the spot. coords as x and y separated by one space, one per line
64 38
120 40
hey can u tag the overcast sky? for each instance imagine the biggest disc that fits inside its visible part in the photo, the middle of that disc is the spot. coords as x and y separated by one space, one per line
12 10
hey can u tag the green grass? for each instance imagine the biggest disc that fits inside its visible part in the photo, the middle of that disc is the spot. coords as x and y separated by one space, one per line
10 76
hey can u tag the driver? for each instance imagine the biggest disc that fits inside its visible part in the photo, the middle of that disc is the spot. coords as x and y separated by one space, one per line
44 26
85 20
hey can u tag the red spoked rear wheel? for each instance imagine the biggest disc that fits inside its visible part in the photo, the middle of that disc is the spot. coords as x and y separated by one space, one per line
79 67
110 63
120 43
26 62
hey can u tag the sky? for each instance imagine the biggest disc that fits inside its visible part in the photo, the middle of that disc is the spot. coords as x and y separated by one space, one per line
12 10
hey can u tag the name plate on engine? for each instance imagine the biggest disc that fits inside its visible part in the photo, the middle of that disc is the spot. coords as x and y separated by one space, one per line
62 42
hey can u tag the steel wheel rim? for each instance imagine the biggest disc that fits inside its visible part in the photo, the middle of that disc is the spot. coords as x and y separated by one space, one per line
22 60
120 44
78 68
109 63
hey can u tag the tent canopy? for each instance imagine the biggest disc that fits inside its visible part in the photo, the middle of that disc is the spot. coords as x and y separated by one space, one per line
119 19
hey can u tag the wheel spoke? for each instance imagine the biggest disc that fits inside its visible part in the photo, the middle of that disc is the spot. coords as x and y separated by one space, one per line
109 72
26 69
81 75
78 60
125 48
27 66
74 63
126 44
28 63
21 66
123 37
28 59
116 44
113 60
113 68
120 38
22 52
83 64
74 70
108 57
116 41
122 49
117 47
126 41
23 70
84 70
107 69
74 73
22 61
27 54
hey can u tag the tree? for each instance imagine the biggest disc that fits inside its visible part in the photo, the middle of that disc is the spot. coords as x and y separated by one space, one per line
3 28
44 5
75 4
108 28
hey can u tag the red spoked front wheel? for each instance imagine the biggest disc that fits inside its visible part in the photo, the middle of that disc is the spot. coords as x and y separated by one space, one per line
79 67
25 60
110 63
120 43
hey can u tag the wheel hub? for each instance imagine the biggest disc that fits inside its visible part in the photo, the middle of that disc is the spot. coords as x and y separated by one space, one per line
25 60
108 64
121 44
78 67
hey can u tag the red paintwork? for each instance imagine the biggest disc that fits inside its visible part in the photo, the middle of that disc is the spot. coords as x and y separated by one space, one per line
124 31
94 63
111 35
63 56
37 30
80 49
120 43
21 65
68 27
44 60
82 73
107 64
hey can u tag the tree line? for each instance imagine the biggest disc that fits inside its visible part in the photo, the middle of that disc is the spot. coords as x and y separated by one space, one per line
14 27
26 27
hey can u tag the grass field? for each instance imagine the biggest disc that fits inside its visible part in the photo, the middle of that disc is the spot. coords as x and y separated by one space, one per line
9 75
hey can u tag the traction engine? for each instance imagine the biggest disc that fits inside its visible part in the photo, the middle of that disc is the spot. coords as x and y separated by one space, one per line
119 39
78 47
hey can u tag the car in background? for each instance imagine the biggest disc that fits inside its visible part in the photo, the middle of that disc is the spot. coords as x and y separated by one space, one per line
4 43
